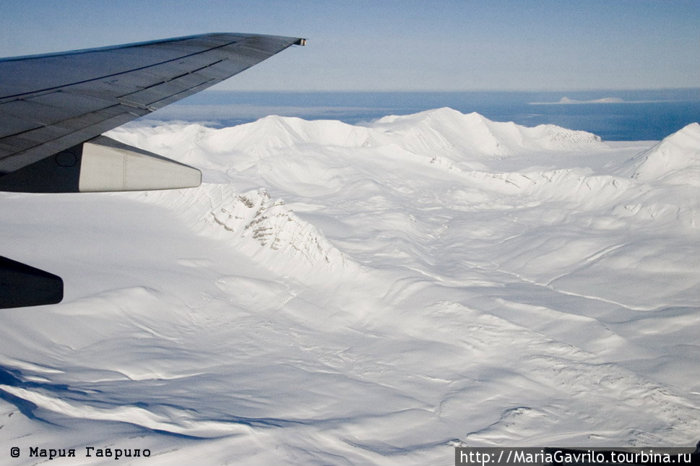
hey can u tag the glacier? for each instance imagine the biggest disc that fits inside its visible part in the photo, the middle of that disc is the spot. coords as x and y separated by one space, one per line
364 294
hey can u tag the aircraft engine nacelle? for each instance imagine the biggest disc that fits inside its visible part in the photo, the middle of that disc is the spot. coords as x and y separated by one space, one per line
22 285
101 165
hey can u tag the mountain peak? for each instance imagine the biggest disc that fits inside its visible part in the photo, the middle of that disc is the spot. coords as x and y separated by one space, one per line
676 159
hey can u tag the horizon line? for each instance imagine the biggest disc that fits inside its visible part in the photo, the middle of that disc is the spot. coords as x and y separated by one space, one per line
640 89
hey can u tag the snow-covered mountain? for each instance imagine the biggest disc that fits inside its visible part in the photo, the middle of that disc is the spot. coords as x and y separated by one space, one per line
364 294
676 159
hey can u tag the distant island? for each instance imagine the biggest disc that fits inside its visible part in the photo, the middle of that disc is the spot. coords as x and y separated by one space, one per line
604 100
568 101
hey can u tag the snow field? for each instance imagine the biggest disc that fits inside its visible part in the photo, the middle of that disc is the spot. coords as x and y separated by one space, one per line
365 294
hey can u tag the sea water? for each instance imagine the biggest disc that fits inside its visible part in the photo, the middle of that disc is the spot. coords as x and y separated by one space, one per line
613 115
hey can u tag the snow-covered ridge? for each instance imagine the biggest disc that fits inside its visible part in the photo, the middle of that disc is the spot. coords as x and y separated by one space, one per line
252 222
299 158
450 129
309 158
464 139
674 160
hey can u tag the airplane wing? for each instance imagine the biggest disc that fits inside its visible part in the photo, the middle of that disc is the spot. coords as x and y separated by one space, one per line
51 104
55 107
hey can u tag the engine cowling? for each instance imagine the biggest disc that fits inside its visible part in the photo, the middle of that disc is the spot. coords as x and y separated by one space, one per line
101 165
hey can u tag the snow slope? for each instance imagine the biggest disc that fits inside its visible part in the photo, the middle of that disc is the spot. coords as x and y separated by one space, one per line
377 294
676 159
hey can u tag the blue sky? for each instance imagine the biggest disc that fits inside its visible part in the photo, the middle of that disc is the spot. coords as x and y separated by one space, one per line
400 45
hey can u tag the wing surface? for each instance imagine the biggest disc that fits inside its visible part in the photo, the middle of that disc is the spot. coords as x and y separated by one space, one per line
50 103
54 108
